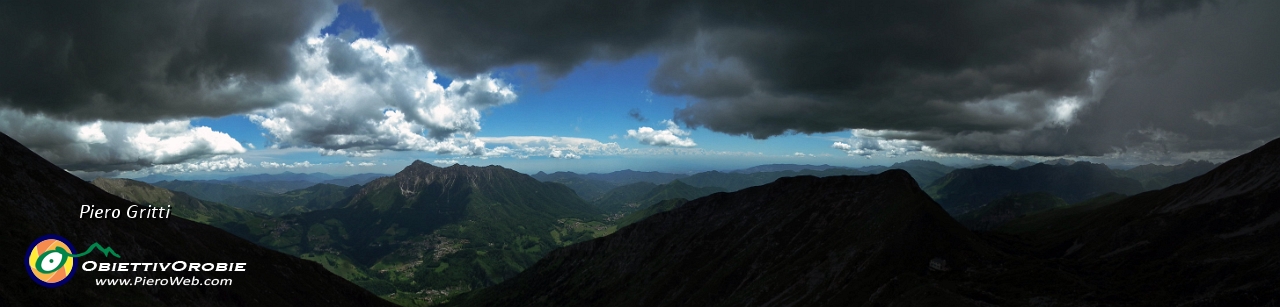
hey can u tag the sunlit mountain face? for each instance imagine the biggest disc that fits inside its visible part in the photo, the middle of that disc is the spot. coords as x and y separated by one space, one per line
507 153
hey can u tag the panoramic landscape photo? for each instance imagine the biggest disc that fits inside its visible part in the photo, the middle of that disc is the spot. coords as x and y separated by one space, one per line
640 153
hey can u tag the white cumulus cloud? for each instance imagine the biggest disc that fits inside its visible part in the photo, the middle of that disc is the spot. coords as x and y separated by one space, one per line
868 143
559 154
550 146
217 163
672 136
362 97
115 146
303 164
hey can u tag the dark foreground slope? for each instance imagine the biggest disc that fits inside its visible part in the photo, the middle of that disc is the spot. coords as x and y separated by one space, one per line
38 198
800 241
1213 240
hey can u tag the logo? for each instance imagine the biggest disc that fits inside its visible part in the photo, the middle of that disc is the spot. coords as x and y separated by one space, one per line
52 261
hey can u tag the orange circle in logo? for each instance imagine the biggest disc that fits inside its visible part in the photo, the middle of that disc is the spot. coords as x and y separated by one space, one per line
49 261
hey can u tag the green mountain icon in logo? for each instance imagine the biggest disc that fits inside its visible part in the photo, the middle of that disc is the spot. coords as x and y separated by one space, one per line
106 251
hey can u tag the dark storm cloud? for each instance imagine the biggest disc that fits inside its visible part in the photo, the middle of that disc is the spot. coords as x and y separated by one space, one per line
992 77
780 66
905 65
470 37
1197 81
149 60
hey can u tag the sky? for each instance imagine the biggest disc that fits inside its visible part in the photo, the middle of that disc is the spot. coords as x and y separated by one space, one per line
221 88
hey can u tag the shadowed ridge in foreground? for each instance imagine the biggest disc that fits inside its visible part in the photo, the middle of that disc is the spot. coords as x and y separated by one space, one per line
802 241
38 198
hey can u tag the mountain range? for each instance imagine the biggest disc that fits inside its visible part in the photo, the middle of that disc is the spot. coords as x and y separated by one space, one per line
879 240
633 196
427 232
799 241
259 184
593 186
1154 176
782 237
963 190
415 237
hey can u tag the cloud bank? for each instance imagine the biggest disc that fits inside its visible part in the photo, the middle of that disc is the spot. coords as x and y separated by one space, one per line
980 77
143 61
113 146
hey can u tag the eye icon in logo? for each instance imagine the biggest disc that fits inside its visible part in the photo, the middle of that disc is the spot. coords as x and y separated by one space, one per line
51 261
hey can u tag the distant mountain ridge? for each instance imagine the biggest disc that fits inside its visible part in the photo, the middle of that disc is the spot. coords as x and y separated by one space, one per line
963 190
627 176
183 205
593 186
316 197
925 172
737 181
1154 176
211 191
635 196
285 176
588 189
784 167
259 184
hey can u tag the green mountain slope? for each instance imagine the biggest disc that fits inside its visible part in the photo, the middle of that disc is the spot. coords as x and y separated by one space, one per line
624 198
427 232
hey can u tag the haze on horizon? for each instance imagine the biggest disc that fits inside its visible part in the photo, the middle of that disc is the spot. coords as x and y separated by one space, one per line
217 88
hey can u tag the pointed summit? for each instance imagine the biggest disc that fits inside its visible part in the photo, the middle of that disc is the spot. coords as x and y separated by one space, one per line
483 223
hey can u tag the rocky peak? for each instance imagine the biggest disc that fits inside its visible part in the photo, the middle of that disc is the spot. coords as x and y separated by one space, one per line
418 175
